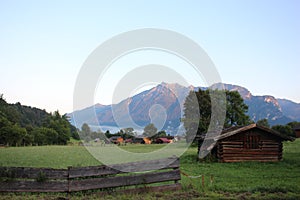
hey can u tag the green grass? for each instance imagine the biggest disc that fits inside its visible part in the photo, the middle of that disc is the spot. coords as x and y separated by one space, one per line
248 180
46 156
142 148
248 176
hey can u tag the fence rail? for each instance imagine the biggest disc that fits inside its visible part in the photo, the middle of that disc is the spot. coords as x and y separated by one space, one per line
161 171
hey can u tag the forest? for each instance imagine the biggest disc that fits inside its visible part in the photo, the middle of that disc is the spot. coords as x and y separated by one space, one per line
23 125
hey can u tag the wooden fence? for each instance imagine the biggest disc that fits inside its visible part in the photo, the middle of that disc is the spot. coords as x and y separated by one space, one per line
129 176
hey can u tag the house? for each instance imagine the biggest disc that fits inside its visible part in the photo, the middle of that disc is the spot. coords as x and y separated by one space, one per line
147 140
297 131
141 140
116 139
247 143
162 140
129 140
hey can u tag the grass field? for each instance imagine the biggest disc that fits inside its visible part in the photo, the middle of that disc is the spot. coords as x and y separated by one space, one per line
248 180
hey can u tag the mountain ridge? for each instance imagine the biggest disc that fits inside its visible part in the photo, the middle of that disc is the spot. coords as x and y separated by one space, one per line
166 100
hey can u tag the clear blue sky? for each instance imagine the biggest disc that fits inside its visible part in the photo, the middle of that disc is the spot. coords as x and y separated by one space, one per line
43 44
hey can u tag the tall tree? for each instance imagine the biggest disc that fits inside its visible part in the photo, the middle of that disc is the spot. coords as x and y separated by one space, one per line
284 130
236 110
74 132
198 114
293 124
86 132
128 133
12 135
61 125
150 130
44 136
263 122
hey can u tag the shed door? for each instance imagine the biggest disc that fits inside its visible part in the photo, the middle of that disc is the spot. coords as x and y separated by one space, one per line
251 141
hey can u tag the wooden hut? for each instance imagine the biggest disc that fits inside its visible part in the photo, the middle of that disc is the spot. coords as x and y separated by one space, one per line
297 131
247 143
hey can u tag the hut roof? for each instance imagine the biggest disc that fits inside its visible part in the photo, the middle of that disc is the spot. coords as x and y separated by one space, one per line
297 128
238 129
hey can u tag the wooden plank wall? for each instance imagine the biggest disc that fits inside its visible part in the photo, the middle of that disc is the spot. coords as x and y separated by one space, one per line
21 179
234 151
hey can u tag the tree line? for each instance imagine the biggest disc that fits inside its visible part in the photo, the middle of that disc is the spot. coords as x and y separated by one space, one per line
24 125
287 129
150 131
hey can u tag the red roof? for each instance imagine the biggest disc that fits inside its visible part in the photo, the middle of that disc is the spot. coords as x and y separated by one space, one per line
164 140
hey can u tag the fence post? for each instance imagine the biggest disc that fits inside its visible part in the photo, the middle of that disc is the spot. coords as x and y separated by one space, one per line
68 179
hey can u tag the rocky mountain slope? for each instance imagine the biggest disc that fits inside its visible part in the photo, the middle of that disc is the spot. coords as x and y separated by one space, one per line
164 103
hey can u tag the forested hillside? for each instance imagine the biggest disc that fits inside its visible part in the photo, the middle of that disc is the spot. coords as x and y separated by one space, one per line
24 125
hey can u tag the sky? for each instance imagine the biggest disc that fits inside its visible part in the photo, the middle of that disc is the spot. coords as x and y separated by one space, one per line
43 44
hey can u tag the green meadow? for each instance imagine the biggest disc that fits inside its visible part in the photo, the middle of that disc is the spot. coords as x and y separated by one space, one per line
200 180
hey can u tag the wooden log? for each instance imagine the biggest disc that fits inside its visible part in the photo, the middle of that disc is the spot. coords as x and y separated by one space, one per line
270 145
251 154
249 151
33 173
33 186
166 163
83 172
251 158
270 149
233 146
230 161
119 181
231 143
270 142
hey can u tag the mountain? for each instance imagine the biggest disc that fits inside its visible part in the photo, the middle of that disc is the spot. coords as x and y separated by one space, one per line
164 103
159 104
290 109
263 107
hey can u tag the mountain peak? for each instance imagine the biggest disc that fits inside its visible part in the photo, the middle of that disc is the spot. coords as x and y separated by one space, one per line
171 97
99 105
170 85
244 92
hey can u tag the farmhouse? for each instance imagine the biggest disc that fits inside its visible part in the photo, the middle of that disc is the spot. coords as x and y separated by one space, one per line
116 139
141 140
162 140
247 143
297 131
